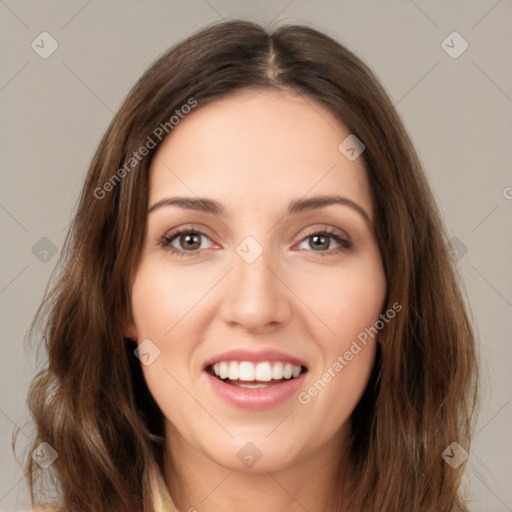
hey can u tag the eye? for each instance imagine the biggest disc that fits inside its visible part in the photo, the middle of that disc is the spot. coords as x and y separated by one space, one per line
188 241
321 242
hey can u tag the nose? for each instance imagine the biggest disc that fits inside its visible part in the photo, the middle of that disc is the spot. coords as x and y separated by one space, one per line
256 296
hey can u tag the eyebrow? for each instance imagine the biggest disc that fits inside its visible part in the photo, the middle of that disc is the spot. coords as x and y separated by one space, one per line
295 206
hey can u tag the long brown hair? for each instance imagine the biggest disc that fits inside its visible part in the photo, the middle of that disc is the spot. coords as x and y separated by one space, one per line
90 402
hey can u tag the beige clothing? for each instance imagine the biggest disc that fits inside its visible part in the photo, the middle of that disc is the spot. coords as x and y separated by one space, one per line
162 501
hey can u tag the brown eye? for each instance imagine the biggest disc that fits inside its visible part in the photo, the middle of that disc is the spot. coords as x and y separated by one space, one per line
184 242
322 242
190 241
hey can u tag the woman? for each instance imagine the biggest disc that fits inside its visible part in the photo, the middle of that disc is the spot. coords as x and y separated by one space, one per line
256 307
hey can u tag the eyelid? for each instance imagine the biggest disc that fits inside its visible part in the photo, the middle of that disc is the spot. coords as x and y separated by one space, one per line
189 226
311 230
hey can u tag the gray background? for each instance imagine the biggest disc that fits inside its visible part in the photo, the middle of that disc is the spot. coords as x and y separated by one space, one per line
457 110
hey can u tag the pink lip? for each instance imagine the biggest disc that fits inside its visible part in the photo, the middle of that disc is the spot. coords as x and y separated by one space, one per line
254 357
256 398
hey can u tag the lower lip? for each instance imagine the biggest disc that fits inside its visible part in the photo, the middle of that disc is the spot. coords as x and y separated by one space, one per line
255 398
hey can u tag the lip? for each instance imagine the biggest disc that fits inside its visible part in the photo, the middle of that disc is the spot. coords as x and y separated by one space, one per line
255 398
252 356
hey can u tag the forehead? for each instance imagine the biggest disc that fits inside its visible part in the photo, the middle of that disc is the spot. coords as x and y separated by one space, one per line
258 146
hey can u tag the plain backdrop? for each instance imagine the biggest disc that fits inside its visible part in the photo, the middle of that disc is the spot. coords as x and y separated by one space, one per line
456 103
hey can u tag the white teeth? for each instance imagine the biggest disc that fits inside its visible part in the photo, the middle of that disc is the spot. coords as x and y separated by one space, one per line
246 371
233 370
260 372
263 372
277 370
253 385
223 370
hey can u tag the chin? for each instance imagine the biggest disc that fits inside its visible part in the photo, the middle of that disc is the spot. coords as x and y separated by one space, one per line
258 456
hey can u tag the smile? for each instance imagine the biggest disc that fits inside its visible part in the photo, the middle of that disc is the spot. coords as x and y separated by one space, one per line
254 375
247 385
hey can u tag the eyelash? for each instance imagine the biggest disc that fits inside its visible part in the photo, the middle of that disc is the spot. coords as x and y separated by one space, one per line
165 242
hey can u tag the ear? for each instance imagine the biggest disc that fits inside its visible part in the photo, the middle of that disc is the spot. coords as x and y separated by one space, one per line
131 332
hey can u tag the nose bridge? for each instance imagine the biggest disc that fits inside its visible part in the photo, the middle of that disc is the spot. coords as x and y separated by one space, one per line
255 296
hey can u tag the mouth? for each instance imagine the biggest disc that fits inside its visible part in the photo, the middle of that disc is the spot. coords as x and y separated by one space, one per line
246 374
255 380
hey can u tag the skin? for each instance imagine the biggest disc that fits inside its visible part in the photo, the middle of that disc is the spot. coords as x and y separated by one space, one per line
254 152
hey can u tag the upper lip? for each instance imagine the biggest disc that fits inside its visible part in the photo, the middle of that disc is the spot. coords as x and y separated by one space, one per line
255 356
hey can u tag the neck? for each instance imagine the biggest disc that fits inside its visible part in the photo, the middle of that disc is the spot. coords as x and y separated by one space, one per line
311 482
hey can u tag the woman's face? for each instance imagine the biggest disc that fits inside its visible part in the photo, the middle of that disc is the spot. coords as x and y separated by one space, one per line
252 288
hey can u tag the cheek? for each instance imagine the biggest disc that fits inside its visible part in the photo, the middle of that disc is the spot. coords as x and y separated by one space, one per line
161 300
333 395
345 300
349 301
162 296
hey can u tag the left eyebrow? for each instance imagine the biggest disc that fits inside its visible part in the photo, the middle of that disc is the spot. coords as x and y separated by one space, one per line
295 206
313 203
